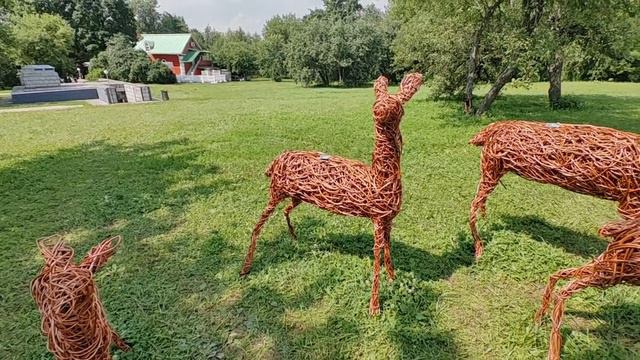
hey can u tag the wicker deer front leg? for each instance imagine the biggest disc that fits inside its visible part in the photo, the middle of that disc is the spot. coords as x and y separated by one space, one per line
348 187
620 263
586 159
73 318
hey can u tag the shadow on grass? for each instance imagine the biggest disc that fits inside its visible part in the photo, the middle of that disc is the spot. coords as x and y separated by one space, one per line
340 331
618 331
92 191
410 299
578 243
617 112
424 265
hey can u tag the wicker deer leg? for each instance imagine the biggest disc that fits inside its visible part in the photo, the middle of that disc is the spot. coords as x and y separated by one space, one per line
548 291
248 261
388 262
379 243
492 171
119 342
555 341
287 211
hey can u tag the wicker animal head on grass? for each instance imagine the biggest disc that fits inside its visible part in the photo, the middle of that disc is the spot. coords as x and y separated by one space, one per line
73 318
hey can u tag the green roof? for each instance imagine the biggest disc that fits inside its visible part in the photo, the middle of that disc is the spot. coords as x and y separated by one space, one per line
163 43
190 56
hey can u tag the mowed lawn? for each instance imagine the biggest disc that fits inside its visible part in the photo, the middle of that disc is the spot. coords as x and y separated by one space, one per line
183 183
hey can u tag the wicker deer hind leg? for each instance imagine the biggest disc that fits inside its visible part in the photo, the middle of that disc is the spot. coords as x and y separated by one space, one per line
619 263
73 318
586 159
348 187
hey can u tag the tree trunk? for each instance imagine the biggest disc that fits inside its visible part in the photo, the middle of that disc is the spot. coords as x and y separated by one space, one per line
555 80
504 77
472 63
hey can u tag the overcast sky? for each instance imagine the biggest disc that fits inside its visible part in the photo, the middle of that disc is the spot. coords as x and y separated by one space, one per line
248 14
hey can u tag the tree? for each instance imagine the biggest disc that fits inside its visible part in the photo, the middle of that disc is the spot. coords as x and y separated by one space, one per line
169 24
146 14
343 42
8 68
236 50
43 39
63 8
88 22
272 51
119 18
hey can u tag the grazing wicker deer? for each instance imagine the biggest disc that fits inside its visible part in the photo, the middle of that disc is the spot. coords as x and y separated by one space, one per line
72 316
585 159
348 187
619 263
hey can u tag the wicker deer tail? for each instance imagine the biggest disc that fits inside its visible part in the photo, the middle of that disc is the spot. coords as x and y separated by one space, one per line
269 170
481 138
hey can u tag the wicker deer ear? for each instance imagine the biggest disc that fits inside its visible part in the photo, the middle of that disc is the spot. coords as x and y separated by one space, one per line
409 86
53 249
99 254
381 86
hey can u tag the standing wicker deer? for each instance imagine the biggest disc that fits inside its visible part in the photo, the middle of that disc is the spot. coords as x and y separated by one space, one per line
619 263
72 316
348 187
585 159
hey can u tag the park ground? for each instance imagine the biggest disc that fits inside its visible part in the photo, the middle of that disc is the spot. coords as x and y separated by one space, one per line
182 181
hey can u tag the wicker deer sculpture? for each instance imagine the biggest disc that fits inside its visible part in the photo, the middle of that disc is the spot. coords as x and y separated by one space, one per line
619 263
72 316
348 187
586 159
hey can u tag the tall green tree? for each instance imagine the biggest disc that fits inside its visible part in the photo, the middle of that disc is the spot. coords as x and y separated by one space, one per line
88 22
170 23
63 8
119 19
8 68
236 50
43 39
272 50
343 42
146 14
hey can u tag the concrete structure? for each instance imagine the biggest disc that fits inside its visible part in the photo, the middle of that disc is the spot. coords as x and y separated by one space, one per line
39 76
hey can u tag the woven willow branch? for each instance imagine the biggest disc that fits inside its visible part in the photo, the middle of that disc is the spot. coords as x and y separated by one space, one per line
619 263
585 159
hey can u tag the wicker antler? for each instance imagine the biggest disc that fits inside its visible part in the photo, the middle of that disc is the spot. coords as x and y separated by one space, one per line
619 263
72 316
348 187
586 159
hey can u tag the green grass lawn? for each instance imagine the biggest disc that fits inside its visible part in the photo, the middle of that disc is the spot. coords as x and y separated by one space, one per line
183 182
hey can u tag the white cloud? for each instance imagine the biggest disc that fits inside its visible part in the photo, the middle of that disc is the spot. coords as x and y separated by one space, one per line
248 14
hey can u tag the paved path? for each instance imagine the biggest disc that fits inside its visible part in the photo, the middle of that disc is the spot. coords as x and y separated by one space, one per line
41 108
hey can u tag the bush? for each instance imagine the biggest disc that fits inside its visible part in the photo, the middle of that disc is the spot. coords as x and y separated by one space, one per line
160 73
95 73
138 70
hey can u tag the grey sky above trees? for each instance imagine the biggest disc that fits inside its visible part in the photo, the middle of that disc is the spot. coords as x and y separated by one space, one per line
248 14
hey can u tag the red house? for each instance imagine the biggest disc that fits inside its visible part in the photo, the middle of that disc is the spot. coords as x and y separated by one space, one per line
178 51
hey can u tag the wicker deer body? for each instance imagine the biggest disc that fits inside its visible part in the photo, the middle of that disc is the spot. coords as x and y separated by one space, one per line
619 263
585 159
348 187
72 316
